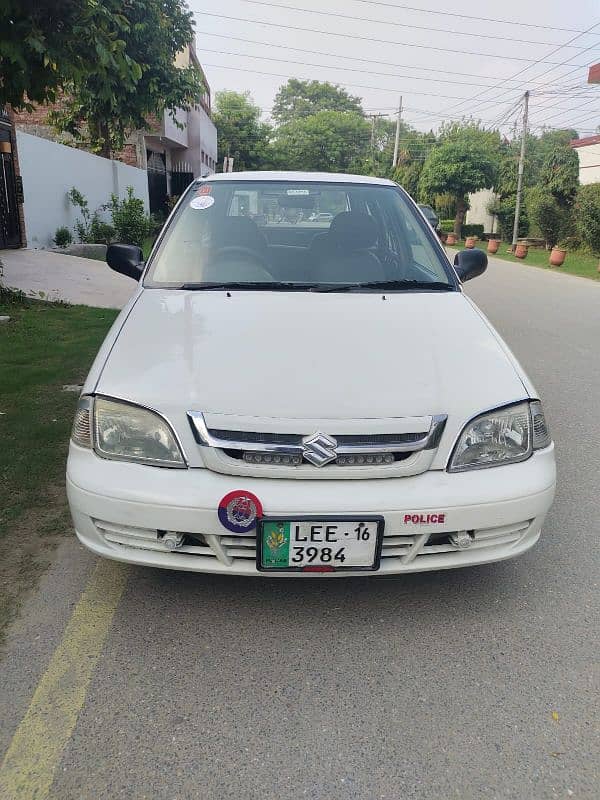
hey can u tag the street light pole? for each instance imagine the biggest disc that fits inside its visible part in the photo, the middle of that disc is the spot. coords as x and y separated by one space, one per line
397 142
515 235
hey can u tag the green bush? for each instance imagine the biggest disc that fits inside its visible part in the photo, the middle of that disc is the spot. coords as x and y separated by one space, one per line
62 237
588 216
504 210
82 226
550 217
129 218
101 232
447 225
472 230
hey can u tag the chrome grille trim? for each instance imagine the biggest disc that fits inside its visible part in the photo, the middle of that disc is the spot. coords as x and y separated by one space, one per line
291 444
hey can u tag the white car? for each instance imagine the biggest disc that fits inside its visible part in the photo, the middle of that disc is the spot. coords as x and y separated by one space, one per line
293 401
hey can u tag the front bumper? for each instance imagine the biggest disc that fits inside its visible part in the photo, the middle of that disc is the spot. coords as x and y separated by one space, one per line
118 509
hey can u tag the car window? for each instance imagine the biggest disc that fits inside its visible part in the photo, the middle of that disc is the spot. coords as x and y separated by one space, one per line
305 233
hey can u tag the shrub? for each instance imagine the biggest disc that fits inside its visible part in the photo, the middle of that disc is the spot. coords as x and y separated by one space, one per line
101 232
83 225
447 225
550 217
473 229
129 218
62 237
504 210
588 216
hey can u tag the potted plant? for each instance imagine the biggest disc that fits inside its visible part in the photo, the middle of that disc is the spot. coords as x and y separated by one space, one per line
493 245
558 255
451 238
470 242
521 250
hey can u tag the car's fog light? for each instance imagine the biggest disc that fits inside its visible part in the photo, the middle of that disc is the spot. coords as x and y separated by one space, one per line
172 540
461 539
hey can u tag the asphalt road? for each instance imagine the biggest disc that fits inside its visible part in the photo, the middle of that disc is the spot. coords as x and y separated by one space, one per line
478 683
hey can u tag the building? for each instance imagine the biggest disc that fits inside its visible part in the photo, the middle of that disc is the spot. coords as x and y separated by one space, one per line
478 213
588 152
172 153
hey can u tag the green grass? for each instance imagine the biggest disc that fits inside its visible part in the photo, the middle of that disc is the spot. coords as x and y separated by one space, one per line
576 262
42 348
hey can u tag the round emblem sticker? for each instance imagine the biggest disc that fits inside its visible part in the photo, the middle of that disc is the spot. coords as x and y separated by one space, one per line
205 201
239 510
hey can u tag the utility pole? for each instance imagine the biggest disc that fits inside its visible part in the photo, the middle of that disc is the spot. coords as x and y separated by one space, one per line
515 235
373 118
397 142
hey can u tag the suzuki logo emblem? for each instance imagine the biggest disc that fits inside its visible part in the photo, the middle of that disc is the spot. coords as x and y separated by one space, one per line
319 449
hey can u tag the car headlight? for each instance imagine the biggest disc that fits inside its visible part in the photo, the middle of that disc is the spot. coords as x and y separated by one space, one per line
125 432
504 436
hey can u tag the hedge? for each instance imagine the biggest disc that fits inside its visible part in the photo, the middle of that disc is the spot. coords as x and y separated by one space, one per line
472 230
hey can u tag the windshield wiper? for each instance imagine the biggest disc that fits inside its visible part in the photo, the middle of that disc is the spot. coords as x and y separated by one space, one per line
274 286
432 286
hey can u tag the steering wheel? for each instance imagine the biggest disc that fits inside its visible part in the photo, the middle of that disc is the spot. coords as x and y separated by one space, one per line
240 256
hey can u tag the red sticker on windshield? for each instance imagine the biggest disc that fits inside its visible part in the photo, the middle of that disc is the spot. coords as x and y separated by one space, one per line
206 189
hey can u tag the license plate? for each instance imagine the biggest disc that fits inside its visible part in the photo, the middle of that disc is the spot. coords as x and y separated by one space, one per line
317 544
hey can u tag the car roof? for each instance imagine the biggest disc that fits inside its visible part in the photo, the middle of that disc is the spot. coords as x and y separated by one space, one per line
321 177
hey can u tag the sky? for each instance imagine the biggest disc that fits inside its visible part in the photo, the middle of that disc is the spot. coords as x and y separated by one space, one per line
465 67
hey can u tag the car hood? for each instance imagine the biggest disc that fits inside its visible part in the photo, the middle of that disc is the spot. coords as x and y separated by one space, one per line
303 355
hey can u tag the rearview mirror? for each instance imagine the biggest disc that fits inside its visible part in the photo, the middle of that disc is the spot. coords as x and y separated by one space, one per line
127 259
470 264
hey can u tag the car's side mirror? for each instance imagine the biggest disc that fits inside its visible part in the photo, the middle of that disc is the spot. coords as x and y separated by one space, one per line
128 259
470 264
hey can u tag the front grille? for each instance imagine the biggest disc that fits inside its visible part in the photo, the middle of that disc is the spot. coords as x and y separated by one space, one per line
385 439
226 548
417 546
396 446
222 547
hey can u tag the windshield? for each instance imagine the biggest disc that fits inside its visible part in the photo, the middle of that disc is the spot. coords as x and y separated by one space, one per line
294 235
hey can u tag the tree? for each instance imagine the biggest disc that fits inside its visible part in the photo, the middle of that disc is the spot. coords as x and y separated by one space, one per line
328 141
560 173
546 212
414 147
103 105
298 99
464 161
241 133
588 216
551 201
46 44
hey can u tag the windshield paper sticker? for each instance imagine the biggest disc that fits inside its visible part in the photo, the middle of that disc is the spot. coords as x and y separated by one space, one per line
206 201
205 189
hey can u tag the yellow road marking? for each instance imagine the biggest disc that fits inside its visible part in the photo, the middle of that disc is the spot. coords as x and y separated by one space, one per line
28 768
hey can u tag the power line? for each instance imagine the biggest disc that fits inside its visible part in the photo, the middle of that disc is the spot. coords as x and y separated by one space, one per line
392 23
504 57
468 16
352 58
341 83
541 61
348 69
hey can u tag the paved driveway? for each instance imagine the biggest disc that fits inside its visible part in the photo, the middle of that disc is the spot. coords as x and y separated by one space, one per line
69 278
473 684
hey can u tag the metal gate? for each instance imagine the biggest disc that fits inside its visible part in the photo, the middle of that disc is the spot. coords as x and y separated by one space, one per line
10 233
181 177
157 182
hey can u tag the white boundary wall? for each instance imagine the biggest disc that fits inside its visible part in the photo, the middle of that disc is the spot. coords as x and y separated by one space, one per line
49 170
